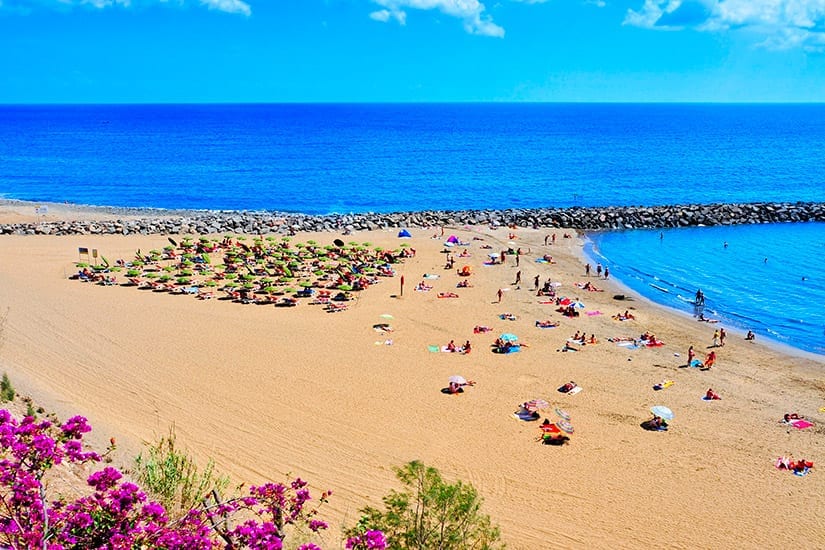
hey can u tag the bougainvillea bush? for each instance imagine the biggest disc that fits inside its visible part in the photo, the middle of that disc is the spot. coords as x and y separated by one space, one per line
116 514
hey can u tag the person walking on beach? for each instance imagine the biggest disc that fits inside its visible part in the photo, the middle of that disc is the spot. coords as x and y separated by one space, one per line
518 278
606 272
587 270
546 238
517 258
715 339
691 356
499 294
598 270
536 282
722 336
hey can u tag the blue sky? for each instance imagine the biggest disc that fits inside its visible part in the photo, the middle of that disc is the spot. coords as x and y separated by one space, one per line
147 51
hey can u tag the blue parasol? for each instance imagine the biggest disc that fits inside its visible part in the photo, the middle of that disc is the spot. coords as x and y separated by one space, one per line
662 411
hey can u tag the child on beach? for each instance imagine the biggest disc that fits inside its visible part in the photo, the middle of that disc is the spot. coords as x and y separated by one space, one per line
709 360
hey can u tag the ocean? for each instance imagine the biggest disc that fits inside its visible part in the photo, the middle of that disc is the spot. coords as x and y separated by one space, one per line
342 158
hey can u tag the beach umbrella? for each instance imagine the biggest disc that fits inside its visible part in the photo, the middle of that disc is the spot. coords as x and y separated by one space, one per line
508 337
577 304
456 379
662 411
536 405
565 426
563 414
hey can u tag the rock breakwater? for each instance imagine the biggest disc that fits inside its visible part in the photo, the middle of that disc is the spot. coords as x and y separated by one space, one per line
146 222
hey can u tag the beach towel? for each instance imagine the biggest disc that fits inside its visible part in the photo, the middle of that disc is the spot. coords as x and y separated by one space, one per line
434 349
696 363
592 313
663 385
575 390
801 424
547 326
430 276
627 345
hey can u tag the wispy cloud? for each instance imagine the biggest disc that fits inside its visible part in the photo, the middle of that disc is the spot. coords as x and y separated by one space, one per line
229 6
470 12
239 7
785 24
386 15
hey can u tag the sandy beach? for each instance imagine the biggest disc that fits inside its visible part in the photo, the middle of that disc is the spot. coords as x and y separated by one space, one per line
265 391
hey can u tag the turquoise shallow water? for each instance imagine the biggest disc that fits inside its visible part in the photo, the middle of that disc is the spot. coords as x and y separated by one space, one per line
767 279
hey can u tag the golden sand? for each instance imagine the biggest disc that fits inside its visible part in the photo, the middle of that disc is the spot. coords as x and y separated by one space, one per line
265 391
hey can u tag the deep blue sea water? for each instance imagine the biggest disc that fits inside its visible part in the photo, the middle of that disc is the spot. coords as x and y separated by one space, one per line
382 158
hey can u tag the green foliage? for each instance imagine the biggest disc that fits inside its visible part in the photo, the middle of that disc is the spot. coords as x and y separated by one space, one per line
430 513
172 477
7 392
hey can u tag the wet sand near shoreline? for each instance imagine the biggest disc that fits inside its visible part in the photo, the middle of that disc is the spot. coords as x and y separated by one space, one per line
266 390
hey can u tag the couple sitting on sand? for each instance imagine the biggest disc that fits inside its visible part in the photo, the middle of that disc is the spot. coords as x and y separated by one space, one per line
551 434
655 424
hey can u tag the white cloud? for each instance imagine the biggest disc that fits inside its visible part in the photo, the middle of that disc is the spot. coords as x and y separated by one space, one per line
239 7
386 15
784 23
471 13
228 6
380 15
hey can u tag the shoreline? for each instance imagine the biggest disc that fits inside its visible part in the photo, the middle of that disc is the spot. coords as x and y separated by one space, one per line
270 390
779 347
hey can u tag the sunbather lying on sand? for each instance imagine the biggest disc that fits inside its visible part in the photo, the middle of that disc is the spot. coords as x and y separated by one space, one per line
478 329
626 316
547 324
566 388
